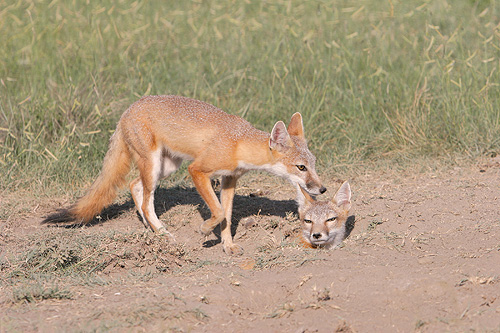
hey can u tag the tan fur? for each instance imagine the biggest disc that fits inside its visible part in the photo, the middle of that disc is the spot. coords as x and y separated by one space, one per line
159 132
323 222
116 166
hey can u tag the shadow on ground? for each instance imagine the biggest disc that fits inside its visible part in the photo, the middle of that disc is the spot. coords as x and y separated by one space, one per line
167 198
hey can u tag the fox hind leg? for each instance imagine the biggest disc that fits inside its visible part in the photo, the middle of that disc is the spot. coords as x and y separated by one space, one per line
160 165
137 194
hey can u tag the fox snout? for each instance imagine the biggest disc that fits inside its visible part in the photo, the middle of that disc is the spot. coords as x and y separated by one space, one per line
313 184
324 238
314 189
319 238
317 235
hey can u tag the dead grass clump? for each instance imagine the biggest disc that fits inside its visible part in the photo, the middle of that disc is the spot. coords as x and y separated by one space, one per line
37 292
145 250
71 253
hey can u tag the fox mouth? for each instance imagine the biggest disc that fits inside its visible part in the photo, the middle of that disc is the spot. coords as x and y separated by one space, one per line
319 242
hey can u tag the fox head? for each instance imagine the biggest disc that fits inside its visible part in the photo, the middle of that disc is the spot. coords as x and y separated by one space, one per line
323 222
293 160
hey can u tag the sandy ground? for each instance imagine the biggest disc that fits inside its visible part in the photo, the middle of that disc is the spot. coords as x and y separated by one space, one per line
423 255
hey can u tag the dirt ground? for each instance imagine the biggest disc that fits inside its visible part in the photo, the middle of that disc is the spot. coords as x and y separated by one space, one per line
423 255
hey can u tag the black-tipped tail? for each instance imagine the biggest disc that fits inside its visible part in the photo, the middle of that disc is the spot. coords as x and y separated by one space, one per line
61 216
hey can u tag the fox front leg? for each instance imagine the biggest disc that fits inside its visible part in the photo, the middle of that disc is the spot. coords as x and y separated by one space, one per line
227 196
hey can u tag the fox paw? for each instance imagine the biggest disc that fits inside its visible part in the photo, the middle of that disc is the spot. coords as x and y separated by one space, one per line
233 249
164 232
206 229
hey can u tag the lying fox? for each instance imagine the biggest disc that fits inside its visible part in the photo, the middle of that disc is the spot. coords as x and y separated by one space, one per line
159 132
323 222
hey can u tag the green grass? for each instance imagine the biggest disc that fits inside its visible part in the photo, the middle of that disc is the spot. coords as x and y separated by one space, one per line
393 80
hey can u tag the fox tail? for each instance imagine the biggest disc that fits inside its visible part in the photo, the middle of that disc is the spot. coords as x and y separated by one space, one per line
116 166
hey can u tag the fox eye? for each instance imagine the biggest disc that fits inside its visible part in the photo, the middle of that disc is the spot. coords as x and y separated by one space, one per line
331 219
308 221
301 167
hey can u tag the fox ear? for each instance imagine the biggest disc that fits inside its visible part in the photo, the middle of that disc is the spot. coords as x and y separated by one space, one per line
304 200
343 196
296 128
279 137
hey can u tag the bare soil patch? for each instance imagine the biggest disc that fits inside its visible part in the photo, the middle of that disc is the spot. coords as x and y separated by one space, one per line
423 255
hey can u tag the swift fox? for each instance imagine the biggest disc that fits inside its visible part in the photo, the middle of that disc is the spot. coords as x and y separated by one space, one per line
323 222
159 132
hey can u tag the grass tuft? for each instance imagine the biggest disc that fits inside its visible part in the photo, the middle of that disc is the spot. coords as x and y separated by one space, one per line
36 292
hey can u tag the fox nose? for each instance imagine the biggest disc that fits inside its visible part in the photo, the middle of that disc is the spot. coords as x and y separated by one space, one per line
317 235
322 190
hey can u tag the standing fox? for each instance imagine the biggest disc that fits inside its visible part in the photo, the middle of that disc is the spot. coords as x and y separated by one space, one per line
323 222
159 132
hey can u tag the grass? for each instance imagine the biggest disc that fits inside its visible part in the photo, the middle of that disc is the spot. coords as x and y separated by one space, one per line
392 80
33 293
